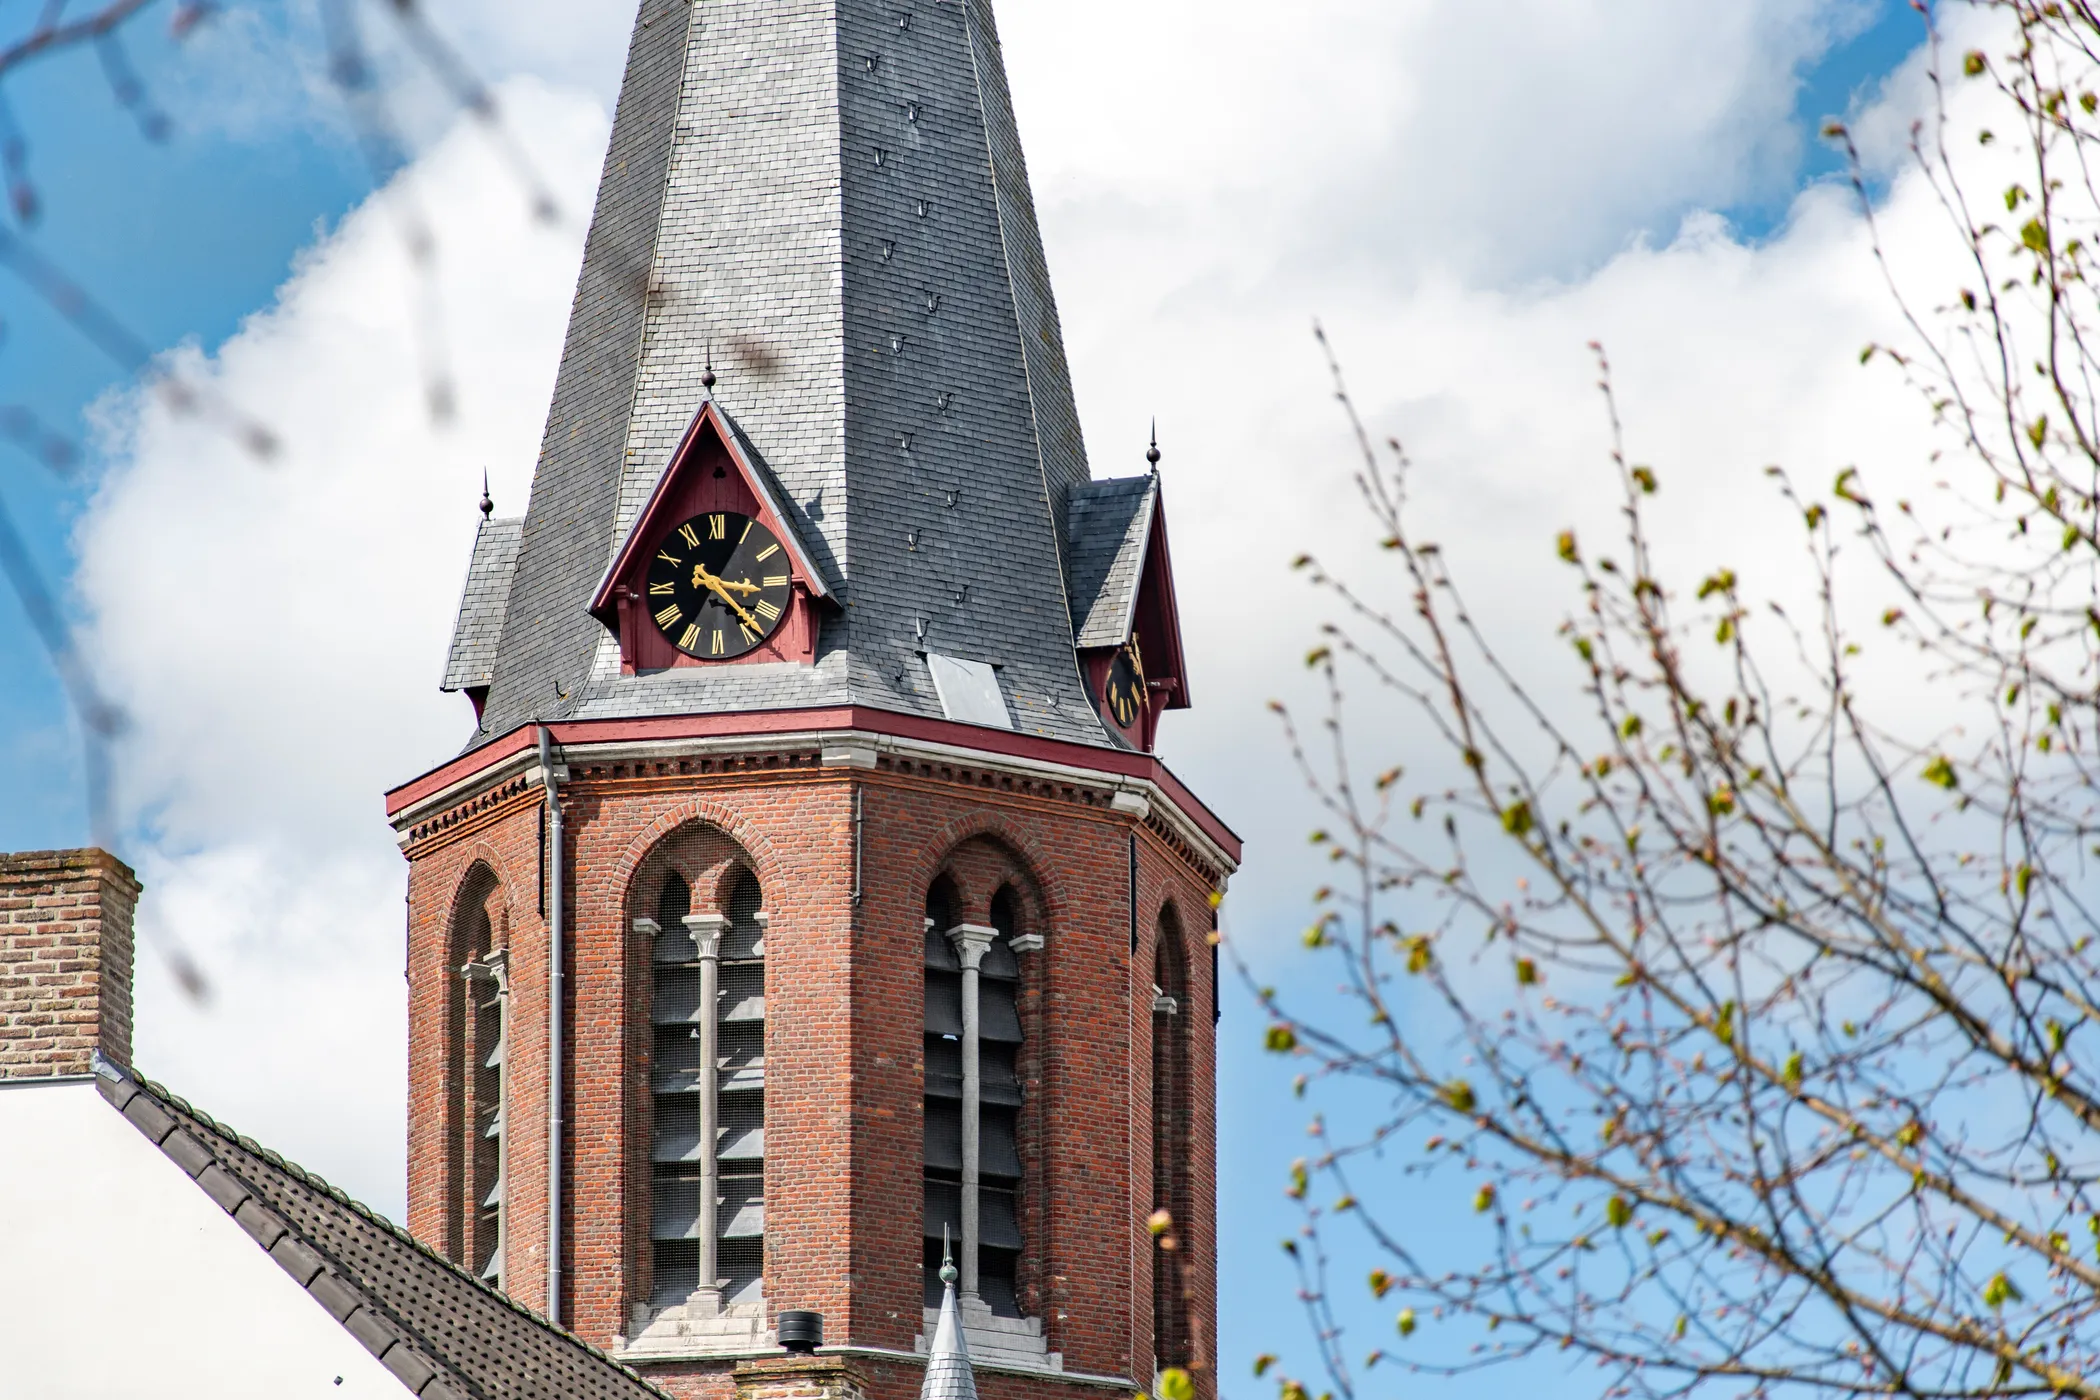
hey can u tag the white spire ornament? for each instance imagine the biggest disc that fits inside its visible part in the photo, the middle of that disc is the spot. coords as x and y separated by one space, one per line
948 1373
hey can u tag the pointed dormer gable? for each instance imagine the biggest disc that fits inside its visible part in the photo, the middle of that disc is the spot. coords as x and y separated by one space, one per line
1126 623
713 469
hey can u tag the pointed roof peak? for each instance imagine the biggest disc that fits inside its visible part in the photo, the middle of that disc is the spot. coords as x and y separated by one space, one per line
949 1375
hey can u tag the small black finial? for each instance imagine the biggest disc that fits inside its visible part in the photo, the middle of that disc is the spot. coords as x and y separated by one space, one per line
1152 452
488 504
707 374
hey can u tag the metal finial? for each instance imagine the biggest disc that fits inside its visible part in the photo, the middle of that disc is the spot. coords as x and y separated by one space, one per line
488 504
1152 452
948 1274
707 374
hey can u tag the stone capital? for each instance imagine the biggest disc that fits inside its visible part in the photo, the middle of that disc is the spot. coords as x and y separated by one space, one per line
971 942
706 930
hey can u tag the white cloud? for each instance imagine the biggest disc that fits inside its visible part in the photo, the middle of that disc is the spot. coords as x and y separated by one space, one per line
1395 138
276 633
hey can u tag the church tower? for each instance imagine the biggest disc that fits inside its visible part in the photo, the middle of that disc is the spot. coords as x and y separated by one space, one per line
809 893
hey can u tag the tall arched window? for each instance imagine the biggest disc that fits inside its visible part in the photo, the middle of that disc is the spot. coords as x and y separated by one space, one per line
971 1064
1170 1144
479 1027
707 1081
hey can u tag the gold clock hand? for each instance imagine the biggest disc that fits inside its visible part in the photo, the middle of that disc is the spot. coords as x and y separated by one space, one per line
702 578
714 585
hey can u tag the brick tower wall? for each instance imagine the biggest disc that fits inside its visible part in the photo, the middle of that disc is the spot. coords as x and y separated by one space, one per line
844 1042
65 961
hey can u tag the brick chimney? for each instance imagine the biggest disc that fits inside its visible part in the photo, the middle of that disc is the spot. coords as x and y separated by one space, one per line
65 962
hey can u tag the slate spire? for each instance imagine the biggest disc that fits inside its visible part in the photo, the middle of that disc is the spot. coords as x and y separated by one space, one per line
826 201
948 1372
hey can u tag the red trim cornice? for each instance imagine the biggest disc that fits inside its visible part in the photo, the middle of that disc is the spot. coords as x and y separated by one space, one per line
843 717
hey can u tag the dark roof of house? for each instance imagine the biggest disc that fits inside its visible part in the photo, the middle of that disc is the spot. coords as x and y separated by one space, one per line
479 627
840 220
445 1334
1109 524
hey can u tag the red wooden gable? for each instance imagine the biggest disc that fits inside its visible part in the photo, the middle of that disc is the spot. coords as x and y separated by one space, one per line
709 472
1155 632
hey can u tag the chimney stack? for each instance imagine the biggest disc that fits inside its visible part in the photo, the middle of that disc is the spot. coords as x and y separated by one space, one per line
65 962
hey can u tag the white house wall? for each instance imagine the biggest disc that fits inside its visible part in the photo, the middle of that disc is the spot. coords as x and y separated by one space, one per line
119 1278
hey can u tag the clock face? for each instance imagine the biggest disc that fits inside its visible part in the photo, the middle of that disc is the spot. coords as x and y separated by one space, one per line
718 585
1124 689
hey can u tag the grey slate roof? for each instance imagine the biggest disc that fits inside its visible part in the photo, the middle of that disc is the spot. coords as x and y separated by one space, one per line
479 628
829 197
442 1332
948 1372
1109 523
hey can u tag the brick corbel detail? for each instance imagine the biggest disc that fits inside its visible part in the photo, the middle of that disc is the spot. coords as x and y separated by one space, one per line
800 1378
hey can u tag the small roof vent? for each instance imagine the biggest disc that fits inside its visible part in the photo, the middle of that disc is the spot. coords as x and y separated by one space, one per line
969 691
800 1332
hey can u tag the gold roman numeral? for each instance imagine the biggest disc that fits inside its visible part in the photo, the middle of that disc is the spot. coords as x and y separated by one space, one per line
687 531
662 589
718 641
749 635
769 551
717 527
667 558
774 581
669 615
765 610
691 638
747 531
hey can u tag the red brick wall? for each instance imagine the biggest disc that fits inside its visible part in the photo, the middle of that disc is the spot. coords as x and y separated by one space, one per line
65 961
844 994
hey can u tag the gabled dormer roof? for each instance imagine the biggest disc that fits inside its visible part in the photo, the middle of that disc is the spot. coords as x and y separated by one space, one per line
1122 579
653 519
442 1332
1107 528
478 629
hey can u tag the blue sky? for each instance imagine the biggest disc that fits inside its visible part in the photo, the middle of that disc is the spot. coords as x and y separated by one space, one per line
188 240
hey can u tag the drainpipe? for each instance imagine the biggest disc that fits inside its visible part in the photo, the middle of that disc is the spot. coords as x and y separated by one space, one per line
556 928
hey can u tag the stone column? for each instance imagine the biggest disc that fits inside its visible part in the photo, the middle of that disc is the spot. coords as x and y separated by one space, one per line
706 930
971 941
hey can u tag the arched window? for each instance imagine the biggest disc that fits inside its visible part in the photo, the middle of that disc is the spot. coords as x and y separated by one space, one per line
1170 1144
707 1157
995 1181
479 1027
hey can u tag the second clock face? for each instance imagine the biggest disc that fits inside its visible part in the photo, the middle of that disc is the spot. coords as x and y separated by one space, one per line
1124 688
718 585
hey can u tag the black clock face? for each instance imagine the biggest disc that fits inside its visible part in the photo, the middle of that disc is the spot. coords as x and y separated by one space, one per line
1124 690
718 585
